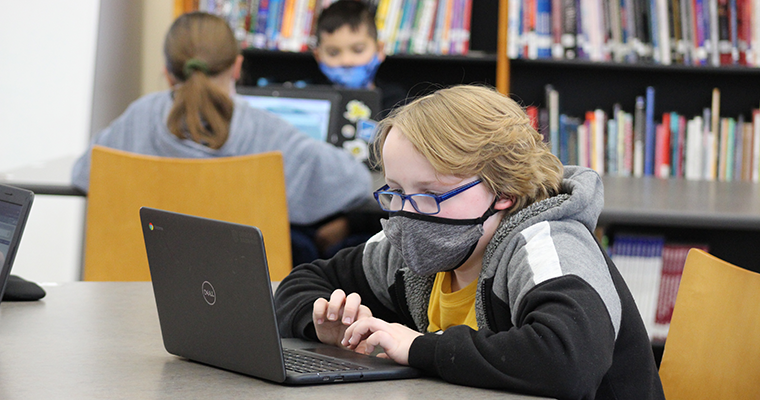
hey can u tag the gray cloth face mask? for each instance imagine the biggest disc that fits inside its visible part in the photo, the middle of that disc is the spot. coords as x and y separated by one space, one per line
430 244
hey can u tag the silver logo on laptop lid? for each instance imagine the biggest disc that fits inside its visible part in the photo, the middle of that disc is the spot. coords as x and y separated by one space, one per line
209 294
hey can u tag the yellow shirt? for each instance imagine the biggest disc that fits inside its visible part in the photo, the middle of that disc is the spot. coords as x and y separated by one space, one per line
447 309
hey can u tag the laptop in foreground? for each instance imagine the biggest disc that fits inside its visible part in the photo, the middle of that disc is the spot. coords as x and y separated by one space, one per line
215 305
15 205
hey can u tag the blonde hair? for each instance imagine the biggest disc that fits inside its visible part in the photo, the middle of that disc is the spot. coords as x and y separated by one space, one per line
475 131
198 46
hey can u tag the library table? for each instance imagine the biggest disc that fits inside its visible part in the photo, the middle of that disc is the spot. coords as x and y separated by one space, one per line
102 340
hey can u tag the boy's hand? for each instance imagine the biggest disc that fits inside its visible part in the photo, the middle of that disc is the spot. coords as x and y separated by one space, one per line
332 318
395 339
331 233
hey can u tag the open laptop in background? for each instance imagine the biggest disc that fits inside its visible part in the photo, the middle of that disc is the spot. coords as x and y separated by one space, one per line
215 306
15 205
352 113
313 112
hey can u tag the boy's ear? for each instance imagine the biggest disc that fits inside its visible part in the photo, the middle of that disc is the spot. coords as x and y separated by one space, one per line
380 52
315 52
504 203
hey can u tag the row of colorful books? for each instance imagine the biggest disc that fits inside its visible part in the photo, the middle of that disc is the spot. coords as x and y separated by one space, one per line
706 147
652 267
424 26
408 27
690 32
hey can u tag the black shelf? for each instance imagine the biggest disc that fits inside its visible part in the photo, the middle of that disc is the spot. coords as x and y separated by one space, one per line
585 86
415 73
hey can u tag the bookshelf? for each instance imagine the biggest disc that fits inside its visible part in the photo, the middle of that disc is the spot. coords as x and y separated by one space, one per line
414 73
726 215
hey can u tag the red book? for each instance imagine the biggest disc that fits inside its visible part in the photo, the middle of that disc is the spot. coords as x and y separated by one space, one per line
467 23
662 148
673 260
532 112
743 28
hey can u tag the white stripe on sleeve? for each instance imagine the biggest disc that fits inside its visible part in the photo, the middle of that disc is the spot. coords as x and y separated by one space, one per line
542 255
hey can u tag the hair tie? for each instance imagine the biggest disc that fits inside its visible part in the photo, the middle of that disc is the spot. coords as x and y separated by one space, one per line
194 64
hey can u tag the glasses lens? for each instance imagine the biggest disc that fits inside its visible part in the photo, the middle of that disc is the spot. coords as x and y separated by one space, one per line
390 201
424 203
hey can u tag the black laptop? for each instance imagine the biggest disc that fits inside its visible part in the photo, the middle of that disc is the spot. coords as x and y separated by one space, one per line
15 205
215 306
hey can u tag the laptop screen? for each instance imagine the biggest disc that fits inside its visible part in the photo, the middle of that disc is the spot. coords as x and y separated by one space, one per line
313 112
310 116
14 209
9 216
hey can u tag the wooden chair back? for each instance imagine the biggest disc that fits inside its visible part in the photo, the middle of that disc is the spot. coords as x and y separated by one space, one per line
713 346
247 190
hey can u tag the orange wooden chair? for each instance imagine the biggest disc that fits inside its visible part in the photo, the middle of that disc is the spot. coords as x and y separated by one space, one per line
247 190
713 346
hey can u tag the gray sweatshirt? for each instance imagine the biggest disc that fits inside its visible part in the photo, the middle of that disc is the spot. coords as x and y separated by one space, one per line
321 179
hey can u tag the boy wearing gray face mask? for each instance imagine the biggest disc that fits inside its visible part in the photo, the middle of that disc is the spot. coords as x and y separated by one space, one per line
486 272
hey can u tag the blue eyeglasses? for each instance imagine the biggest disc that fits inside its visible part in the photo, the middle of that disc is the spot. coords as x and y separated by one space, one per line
424 203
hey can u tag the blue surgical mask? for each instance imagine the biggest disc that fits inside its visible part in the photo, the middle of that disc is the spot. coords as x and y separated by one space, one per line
358 77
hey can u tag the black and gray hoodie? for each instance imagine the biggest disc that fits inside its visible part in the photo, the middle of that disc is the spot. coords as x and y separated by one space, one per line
554 316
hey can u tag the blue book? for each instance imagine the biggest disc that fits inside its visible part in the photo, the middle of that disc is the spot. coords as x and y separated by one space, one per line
654 32
733 33
568 139
739 148
649 142
612 144
260 31
563 156
273 23
544 28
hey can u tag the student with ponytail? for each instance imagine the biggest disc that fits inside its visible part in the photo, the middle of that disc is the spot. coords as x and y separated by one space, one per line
201 117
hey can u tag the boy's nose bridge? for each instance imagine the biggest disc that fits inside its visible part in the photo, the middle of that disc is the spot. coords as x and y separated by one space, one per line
347 59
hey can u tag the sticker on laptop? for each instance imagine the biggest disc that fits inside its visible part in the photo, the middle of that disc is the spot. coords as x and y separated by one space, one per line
356 110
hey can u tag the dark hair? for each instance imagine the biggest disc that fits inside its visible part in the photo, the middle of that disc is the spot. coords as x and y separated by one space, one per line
198 46
353 13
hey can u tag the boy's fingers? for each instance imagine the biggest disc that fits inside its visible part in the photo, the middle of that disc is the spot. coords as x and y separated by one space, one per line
360 329
337 300
319 310
351 308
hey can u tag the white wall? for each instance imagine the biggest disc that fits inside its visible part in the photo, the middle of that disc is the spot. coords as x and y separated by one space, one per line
47 63
47 48
66 70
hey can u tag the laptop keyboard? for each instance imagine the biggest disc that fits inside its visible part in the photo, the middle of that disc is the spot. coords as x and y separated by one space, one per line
303 362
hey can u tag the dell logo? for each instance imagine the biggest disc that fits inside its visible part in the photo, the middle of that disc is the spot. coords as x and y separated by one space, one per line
209 294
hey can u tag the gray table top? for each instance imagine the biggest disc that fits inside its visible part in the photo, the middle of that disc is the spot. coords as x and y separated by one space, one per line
681 203
102 340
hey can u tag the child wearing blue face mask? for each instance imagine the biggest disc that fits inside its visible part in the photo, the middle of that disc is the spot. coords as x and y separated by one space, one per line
348 52
486 272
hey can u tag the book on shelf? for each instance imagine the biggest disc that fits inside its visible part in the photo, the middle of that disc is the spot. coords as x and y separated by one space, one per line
639 260
651 267
673 261
552 106
650 128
